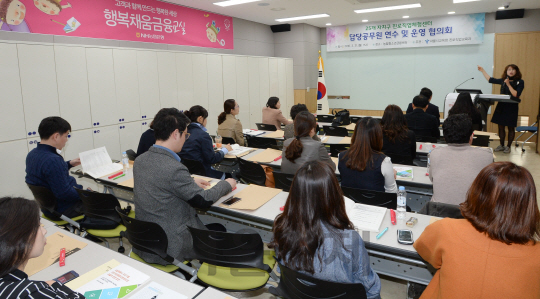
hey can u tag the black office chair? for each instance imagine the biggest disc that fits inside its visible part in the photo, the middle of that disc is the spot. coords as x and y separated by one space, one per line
335 131
426 139
227 140
194 167
251 173
440 209
150 237
323 118
47 201
266 127
355 119
480 140
131 154
401 159
232 261
335 149
296 285
260 142
283 180
372 198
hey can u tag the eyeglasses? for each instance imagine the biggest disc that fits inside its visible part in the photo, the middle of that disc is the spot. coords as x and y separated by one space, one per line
187 136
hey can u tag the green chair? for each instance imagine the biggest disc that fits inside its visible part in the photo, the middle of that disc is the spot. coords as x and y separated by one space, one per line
150 237
47 201
232 261
101 219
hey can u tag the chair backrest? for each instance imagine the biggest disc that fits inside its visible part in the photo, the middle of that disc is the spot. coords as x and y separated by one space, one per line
146 236
238 250
293 284
227 140
323 118
283 180
335 149
45 199
440 209
372 198
131 154
266 127
259 142
335 131
99 205
355 119
194 167
251 172
401 159
480 140
426 139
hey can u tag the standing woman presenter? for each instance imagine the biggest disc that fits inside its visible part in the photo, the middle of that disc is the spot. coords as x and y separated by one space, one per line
506 114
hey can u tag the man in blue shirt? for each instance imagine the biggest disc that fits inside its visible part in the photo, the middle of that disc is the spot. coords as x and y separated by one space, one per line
45 167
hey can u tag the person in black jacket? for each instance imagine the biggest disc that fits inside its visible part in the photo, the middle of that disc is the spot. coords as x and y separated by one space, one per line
432 108
147 140
199 146
421 123
22 238
397 138
464 105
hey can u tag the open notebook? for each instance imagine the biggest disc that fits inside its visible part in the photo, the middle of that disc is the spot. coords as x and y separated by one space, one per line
365 217
98 163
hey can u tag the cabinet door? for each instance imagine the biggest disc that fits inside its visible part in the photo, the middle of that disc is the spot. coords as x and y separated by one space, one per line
255 108
168 91
200 80
73 86
184 75
108 137
289 82
242 90
38 82
130 134
264 84
99 63
229 77
126 81
274 80
148 83
12 112
13 161
78 142
282 87
32 142
215 91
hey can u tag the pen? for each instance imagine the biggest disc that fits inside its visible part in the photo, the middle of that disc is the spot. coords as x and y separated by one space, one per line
276 159
116 174
382 233
119 176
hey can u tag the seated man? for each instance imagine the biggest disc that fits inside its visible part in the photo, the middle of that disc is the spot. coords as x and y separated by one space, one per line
421 123
432 108
453 168
45 167
165 192
147 140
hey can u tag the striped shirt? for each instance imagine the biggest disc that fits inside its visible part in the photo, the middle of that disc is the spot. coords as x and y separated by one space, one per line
16 285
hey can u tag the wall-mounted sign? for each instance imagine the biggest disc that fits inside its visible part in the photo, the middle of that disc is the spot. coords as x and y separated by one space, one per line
131 20
425 32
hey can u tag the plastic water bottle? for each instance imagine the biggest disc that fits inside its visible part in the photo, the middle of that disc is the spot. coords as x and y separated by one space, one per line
125 161
401 203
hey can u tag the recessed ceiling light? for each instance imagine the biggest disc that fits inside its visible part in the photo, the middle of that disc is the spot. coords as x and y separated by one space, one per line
462 1
451 12
501 8
388 8
405 17
363 21
277 8
303 18
328 24
234 2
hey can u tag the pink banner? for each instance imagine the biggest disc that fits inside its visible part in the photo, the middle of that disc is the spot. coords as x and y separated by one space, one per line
133 20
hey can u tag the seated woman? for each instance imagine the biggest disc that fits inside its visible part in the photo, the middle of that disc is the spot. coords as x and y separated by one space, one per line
22 238
363 165
464 105
271 114
397 138
289 129
493 252
314 235
228 125
199 146
302 148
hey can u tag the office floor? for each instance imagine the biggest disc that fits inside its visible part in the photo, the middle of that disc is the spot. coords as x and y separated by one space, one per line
396 288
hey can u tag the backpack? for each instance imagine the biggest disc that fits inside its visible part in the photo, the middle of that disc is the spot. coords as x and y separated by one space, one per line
341 118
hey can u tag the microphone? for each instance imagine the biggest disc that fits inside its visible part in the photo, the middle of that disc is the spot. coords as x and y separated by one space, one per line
462 84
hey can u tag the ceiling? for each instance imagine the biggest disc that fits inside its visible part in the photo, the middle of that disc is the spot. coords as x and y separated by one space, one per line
342 11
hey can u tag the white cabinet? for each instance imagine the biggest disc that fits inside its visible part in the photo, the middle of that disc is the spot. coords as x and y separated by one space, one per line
215 91
12 112
289 82
184 77
130 134
108 137
78 142
168 91
32 142
264 83
101 84
38 82
73 86
273 73
148 83
200 81
13 161
282 87
255 108
229 77
242 90
126 81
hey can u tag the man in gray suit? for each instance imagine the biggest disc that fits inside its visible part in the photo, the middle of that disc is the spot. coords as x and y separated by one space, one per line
165 192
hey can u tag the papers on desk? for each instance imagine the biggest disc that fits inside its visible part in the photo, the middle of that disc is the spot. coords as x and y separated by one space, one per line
366 218
275 134
253 197
238 151
404 173
346 140
156 291
92 274
267 156
350 126
252 132
98 163
130 183
115 283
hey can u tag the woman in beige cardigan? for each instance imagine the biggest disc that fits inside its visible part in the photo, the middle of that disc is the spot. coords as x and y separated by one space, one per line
228 125
271 114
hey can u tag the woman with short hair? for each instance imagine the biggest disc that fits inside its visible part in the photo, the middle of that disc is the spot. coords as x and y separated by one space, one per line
271 115
493 252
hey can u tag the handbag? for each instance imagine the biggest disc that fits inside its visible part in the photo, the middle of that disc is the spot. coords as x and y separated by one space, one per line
341 118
